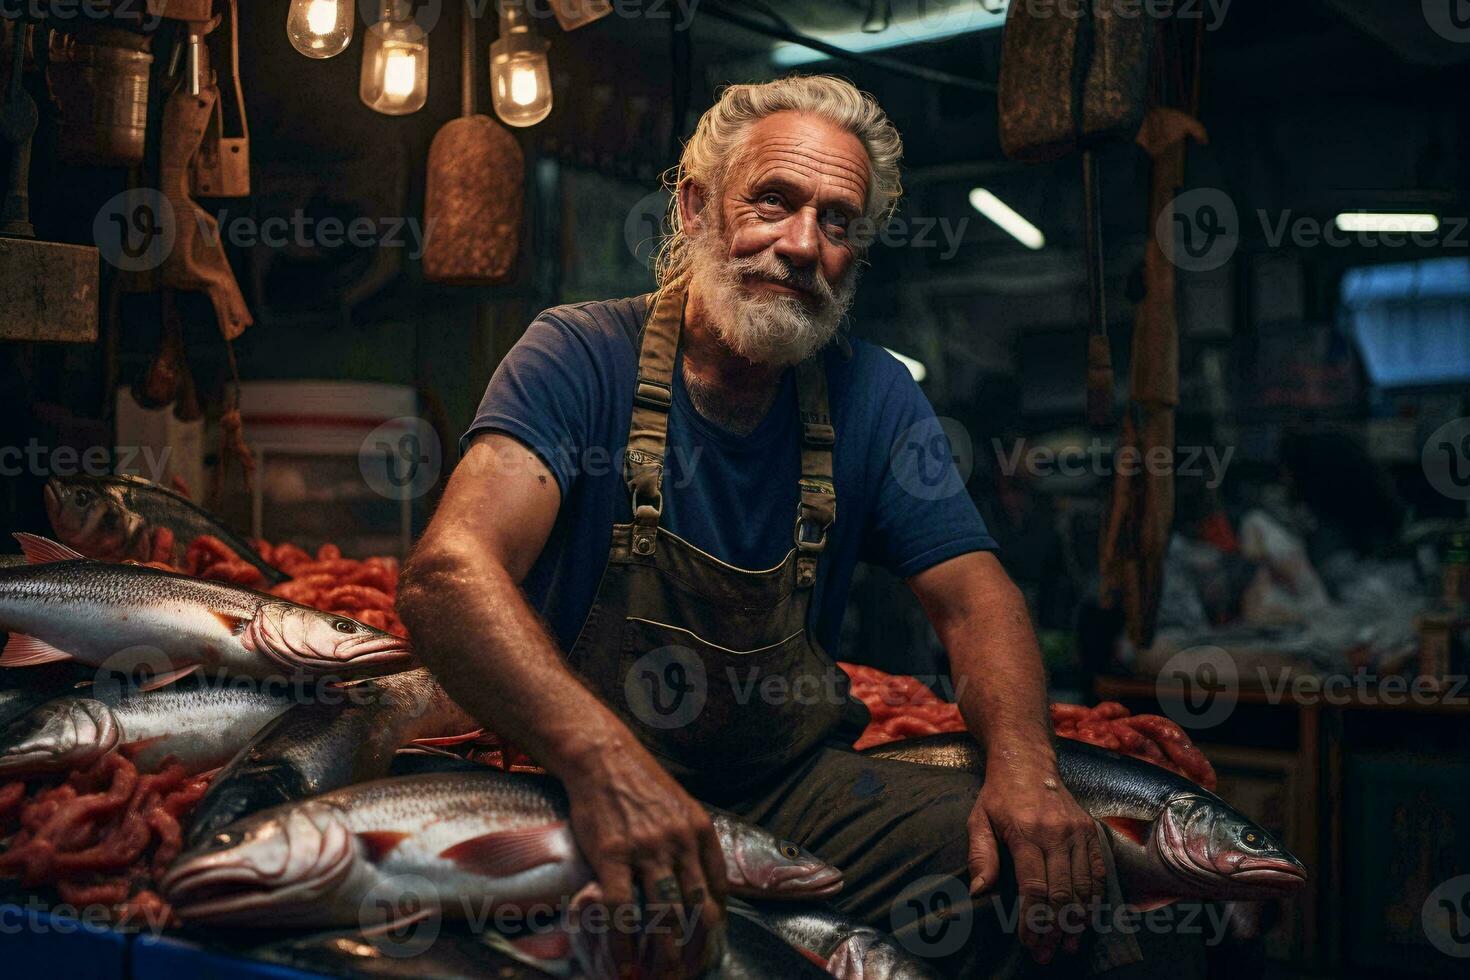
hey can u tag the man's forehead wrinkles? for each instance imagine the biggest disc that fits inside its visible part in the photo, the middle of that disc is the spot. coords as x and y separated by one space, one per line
786 147
803 178
801 167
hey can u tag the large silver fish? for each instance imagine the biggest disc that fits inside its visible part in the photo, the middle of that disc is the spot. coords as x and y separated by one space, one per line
480 839
112 518
1172 838
317 746
202 727
64 607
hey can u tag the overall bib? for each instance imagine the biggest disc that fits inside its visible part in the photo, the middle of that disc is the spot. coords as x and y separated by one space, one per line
710 665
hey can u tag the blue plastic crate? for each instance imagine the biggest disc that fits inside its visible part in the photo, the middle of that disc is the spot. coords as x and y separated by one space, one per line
35 942
165 958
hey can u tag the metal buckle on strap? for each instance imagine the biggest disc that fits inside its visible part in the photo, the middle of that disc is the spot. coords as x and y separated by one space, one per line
819 435
807 543
653 394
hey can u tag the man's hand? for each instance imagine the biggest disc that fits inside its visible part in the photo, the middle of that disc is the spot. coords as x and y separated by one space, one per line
637 827
1053 844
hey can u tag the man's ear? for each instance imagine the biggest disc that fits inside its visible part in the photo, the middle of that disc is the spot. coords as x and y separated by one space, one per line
691 205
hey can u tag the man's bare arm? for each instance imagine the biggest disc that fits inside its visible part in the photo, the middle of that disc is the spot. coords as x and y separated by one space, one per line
981 618
461 600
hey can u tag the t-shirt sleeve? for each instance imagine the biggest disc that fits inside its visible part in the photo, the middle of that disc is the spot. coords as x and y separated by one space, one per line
922 513
542 394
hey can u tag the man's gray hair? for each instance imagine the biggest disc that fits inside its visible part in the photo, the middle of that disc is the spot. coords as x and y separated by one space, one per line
715 145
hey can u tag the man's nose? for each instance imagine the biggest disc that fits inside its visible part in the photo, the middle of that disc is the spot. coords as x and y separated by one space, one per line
800 239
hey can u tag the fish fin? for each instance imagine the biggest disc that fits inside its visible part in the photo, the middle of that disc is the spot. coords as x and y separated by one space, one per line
167 677
527 953
429 750
1148 905
401 922
820 961
378 843
1130 827
27 651
143 744
508 852
235 624
40 551
441 740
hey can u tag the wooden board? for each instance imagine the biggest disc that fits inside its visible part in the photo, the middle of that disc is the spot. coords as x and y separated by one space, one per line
48 291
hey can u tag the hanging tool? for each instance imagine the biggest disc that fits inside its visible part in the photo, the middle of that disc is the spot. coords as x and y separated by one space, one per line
48 291
197 261
1135 538
221 168
474 197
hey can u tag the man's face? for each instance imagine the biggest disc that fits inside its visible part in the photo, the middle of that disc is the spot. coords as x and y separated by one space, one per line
779 269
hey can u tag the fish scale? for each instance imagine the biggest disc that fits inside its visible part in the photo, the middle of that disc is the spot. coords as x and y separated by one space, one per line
62 607
465 832
201 727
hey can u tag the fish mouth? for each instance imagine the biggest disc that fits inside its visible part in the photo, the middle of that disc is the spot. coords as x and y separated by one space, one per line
822 883
93 734
205 888
26 762
1277 874
377 651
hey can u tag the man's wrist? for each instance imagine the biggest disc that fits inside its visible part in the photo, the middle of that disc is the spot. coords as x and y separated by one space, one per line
1024 759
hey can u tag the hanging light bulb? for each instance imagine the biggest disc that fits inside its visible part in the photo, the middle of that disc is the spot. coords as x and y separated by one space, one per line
320 28
520 80
880 12
395 62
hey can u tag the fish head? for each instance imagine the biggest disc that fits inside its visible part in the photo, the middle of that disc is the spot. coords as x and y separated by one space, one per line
759 865
866 953
1203 840
266 868
58 736
305 640
92 517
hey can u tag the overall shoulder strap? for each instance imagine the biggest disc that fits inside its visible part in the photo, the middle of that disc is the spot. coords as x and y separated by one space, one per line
818 510
643 465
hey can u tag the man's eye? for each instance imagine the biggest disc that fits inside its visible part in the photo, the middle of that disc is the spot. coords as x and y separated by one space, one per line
835 220
771 200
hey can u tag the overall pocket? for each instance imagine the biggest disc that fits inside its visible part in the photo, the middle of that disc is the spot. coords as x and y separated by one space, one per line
704 707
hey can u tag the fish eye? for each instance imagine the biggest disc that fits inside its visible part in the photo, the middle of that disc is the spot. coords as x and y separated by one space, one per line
344 626
790 851
1254 840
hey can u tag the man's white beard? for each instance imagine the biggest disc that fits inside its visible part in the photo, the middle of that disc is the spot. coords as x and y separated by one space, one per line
766 329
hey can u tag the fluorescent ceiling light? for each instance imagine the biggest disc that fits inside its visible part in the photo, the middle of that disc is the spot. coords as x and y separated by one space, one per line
1362 221
1002 214
962 17
916 368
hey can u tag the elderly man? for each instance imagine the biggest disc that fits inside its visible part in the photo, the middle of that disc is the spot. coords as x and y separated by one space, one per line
640 565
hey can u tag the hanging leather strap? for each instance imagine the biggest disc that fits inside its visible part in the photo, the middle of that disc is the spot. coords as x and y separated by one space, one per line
643 465
818 510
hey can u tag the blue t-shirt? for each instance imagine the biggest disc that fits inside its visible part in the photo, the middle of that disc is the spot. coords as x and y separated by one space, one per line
566 391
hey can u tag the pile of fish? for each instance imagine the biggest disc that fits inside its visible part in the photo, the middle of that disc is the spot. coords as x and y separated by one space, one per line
301 807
